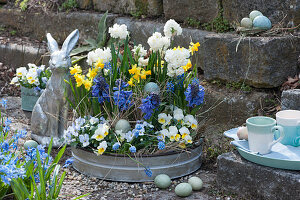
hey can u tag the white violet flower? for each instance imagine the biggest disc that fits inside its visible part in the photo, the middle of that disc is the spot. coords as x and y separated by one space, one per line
84 139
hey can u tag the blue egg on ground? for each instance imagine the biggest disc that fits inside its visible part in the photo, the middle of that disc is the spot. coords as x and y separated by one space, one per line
262 22
151 87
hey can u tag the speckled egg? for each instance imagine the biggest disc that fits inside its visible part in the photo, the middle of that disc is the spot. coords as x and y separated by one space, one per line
123 125
30 144
246 22
183 189
162 181
195 182
262 22
254 14
151 87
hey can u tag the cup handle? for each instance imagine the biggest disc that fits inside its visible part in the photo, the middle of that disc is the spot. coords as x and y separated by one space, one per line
280 129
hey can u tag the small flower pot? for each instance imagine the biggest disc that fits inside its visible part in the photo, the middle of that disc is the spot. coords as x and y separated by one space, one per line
122 168
29 98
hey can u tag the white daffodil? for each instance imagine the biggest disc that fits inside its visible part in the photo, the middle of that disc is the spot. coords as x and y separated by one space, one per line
139 51
172 28
99 54
158 42
118 31
184 131
101 148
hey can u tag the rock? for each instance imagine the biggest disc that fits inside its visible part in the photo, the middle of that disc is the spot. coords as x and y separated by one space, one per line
235 10
258 60
134 7
203 11
248 179
290 99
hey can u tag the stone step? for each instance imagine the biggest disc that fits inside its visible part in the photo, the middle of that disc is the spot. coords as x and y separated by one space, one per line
254 181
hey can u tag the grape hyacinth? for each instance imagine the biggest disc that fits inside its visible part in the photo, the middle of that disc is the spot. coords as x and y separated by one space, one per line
132 149
150 103
100 89
116 146
194 94
161 145
148 171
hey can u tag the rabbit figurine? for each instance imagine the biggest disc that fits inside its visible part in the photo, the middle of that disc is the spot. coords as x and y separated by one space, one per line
49 115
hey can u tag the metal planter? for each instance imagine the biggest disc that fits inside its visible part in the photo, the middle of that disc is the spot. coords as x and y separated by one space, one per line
122 168
29 98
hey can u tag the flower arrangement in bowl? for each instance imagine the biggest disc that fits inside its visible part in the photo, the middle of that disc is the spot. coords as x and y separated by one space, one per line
136 102
33 82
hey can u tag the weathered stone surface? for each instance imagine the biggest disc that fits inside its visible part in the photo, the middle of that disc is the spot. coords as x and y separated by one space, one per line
17 54
276 10
222 106
140 31
139 7
245 178
85 4
201 10
36 25
290 99
263 62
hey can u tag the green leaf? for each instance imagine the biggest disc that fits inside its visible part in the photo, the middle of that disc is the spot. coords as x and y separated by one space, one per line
59 155
82 196
76 59
80 50
101 37
91 42
62 178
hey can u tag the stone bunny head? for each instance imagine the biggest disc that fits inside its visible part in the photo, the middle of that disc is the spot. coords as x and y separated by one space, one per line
60 58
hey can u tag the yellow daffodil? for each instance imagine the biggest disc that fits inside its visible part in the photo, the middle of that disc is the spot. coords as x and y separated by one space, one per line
194 47
76 69
133 69
79 79
137 74
87 84
130 82
92 73
99 64
187 66
180 48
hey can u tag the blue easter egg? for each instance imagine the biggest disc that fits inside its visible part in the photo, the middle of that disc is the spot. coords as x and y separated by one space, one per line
262 22
151 87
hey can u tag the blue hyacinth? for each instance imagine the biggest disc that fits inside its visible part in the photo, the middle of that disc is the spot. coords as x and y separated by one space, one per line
122 98
148 171
100 89
161 145
170 87
149 104
132 149
194 94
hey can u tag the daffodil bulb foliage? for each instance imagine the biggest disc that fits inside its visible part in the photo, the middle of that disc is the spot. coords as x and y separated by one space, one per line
154 92
32 77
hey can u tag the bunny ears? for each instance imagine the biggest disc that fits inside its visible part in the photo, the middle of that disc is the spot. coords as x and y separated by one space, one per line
68 45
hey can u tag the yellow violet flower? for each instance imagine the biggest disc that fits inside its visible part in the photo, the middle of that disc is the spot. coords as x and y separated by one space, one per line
79 79
182 145
75 70
194 47
187 66
177 137
130 82
99 64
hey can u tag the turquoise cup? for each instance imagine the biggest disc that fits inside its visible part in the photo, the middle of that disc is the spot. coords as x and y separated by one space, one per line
261 132
290 121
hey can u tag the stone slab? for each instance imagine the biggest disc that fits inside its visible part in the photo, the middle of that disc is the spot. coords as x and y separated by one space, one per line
200 10
20 54
138 7
263 62
290 99
254 181
60 25
275 10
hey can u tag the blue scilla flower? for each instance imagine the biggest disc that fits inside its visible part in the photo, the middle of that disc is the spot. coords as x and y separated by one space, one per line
148 171
116 146
150 103
161 145
4 146
7 122
100 89
68 162
170 87
37 90
10 171
132 149
3 103
194 94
